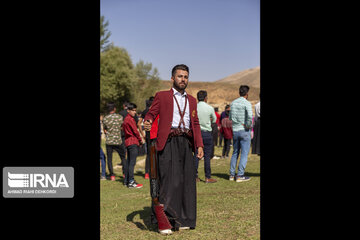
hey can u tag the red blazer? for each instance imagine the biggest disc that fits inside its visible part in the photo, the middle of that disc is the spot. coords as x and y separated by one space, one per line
163 106
132 135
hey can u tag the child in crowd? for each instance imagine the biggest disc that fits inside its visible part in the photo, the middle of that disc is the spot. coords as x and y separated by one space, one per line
132 142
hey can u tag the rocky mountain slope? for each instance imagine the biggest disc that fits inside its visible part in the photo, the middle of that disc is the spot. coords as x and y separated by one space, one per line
225 90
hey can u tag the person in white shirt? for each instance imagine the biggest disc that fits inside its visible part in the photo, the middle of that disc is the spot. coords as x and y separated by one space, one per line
256 138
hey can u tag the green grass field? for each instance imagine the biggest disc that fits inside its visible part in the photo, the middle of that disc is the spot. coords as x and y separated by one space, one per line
225 210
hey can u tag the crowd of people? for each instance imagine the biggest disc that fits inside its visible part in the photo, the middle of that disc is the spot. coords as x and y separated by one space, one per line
185 130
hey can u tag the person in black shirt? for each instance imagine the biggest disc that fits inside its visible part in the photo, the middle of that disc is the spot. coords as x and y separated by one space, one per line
147 161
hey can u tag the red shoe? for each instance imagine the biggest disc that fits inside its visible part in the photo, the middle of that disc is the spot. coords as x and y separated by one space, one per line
164 225
112 178
146 176
134 185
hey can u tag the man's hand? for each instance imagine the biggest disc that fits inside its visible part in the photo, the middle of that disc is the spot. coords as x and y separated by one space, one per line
147 125
200 152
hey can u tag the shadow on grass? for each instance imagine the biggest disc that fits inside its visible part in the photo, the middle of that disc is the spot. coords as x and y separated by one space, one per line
220 175
120 178
139 173
226 176
145 223
249 174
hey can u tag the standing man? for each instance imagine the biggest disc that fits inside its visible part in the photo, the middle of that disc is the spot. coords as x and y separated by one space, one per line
123 113
112 128
226 130
102 158
223 115
215 133
216 130
178 137
207 116
147 160
241 117
256 138
132 142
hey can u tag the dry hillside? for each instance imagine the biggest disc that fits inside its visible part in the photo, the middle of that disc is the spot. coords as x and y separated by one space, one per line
249 77
225 90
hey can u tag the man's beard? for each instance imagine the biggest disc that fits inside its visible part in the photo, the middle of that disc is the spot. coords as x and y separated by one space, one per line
178 87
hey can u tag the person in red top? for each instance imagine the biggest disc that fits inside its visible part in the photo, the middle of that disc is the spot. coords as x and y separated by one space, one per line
154 129
178 137
226 131
218 124
132 142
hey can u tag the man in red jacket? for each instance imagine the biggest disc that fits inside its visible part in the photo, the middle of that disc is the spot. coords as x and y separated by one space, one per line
132 142
178 136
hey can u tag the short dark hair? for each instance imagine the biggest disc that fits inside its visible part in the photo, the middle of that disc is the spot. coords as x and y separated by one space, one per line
227 106
110 106
243 90
149 101
216 109
179 67
201 95
125 103
131 106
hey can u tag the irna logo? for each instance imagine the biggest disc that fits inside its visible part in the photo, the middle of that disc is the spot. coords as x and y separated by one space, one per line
36 180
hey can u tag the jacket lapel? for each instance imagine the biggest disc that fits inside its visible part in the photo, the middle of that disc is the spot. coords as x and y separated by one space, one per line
191 112
171 104
191 109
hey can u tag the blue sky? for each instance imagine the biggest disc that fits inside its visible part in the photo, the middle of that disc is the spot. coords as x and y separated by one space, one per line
215 38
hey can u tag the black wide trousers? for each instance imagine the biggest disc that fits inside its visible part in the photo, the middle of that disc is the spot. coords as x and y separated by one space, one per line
177 182
256 138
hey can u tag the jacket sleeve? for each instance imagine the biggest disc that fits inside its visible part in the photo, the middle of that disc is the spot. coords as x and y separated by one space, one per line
135 131
196 130
249 116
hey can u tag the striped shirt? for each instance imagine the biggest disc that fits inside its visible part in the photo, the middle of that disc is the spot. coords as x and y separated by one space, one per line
240 114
